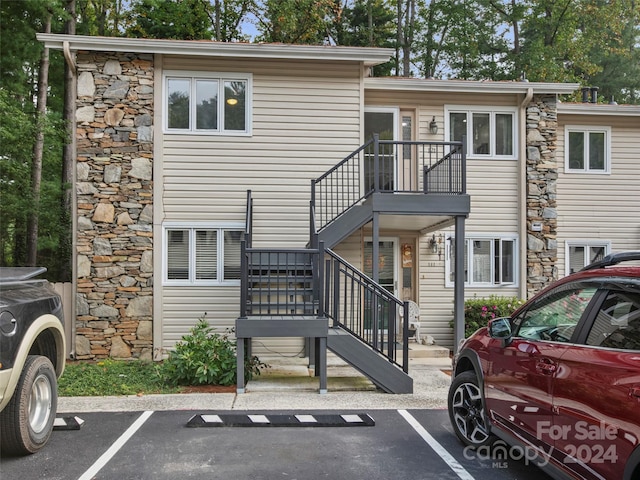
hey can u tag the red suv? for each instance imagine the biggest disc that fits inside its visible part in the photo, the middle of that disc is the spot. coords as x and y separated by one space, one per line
558 383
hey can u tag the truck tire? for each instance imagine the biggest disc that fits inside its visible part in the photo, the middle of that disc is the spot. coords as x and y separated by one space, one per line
27 420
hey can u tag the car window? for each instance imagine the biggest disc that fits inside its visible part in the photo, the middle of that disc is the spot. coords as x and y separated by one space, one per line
554 317
617 324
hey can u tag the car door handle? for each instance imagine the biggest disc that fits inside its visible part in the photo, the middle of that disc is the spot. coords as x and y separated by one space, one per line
635 392
546 367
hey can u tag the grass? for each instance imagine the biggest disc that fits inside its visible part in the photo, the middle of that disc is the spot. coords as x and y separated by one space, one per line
112 377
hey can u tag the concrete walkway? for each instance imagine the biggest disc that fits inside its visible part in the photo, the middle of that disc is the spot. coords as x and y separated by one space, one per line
288 384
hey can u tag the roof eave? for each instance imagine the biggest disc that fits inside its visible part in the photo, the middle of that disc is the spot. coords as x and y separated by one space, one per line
599 109
368 56
468 86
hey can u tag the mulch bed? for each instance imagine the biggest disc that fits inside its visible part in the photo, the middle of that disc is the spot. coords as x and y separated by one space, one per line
209 389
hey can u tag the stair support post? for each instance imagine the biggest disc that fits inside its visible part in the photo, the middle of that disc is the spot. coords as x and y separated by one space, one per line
458 287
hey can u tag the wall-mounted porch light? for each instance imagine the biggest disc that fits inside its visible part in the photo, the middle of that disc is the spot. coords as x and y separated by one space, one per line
435 245
433 126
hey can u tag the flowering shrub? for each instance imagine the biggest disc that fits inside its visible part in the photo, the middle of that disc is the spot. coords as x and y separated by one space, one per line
478 311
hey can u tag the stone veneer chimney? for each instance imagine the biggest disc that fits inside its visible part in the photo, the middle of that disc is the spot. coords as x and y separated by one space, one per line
542 176
114 194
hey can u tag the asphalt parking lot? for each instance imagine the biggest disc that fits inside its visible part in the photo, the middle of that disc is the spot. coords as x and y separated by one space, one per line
371 445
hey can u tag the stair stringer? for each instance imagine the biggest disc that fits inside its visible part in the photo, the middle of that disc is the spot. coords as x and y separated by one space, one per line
362 357
344 225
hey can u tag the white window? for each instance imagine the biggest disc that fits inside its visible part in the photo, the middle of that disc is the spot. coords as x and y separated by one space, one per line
579 254
488 261
202 255
587 149
207 103
490 132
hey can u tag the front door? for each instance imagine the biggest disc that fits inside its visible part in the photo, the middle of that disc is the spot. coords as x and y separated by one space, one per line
387 278
384 122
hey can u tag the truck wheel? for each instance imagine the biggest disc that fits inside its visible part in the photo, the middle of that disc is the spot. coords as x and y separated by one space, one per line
27 420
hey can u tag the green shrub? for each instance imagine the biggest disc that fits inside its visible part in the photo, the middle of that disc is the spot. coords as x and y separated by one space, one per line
204 357
478 311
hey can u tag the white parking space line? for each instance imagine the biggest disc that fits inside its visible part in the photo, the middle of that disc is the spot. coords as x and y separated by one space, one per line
435 445
117 445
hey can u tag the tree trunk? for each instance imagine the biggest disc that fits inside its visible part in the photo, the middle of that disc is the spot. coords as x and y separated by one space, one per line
38 149
399 37
218 14
409 27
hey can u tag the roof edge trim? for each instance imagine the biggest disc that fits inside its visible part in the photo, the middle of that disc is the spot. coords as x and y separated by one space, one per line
468 86
599 109
368 55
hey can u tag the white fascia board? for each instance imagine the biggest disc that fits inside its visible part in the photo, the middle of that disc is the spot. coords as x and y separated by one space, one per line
592 109
368 55
466 86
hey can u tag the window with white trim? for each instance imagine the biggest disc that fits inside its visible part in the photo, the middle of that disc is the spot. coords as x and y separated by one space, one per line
579 254
587 149
490 132
207 103
488 261
201 255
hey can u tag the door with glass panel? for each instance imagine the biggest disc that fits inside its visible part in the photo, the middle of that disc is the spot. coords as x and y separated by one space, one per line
408 178
381 121
386 278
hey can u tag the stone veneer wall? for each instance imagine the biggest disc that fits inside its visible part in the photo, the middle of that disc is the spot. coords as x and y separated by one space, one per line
114 191
542 176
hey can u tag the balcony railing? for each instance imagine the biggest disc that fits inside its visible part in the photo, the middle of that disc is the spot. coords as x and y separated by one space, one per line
282 282
389 167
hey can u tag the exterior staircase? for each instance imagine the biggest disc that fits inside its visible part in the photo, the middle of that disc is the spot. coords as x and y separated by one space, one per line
313 293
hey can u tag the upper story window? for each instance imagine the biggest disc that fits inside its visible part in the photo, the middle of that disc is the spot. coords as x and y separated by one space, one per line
488 261
207 103
490 132
587 149
204 255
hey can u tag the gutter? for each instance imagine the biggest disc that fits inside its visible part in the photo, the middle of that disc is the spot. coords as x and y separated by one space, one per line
370 56
467 86
522 193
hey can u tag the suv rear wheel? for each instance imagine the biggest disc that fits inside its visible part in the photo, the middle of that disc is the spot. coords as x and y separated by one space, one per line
466 410
27 421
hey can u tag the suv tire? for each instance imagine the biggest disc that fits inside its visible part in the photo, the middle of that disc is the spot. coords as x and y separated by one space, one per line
466 410
27 421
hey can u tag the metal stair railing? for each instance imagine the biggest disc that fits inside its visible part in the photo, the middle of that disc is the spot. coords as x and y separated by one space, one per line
339 188
365 309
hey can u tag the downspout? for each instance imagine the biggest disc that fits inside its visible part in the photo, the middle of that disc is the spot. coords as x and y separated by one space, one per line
66 49
73 69
522 193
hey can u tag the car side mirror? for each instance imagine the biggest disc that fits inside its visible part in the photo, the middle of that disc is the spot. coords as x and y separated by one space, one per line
501 328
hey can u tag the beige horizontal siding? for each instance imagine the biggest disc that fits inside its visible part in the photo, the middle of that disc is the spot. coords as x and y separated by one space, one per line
305 119
183 306
601 207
